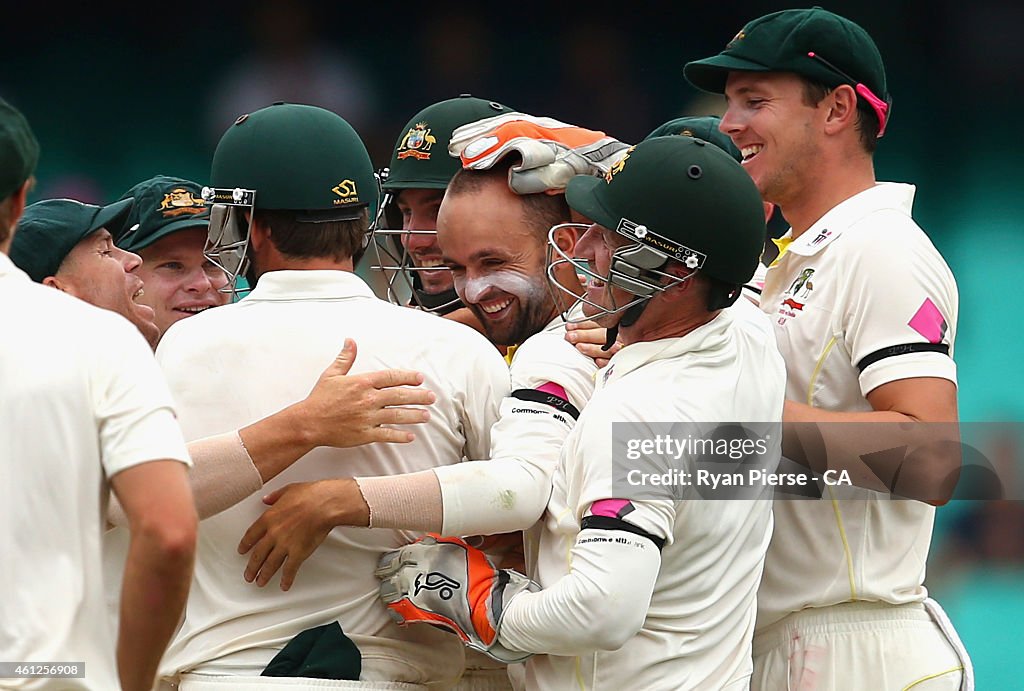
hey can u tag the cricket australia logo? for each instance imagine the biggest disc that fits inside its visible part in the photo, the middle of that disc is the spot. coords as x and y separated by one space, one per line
416 143
435 580
801 288
179 201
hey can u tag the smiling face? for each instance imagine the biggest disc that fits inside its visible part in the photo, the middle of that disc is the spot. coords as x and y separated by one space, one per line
498 260
419 209
596 246
104 275
777 132
179 280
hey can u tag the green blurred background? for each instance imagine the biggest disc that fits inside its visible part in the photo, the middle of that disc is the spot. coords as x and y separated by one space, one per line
117 93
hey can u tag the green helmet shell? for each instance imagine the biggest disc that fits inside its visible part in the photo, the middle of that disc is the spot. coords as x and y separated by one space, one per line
297 157
684 198
420 159
701 127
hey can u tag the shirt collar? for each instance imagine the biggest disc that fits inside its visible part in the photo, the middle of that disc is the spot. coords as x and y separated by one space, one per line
883 195
9 268
634 356
312 284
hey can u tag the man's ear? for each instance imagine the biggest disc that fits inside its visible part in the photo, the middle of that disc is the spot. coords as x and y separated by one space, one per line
60 284
259 234
676 269
842 109
566 239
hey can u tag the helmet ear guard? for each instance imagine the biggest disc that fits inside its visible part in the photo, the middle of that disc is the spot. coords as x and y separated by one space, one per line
632 264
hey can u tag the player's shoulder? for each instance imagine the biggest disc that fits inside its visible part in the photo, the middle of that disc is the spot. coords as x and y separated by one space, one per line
885 223
549 346
70 316
425 325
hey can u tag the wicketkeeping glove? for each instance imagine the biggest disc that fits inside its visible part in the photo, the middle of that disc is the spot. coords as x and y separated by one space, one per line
445 582
553 152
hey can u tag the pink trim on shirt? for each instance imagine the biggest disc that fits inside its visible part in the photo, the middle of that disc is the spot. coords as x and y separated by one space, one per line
553 389
929 322
612 508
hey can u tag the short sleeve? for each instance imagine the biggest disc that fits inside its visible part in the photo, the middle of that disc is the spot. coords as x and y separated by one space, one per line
899 314
134 410
593 465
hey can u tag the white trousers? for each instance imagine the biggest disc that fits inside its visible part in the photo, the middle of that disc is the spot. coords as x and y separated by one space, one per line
862 645
206 682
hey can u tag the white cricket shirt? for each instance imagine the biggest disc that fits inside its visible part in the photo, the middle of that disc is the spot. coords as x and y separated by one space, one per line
697 630
236 364
861 280
81 399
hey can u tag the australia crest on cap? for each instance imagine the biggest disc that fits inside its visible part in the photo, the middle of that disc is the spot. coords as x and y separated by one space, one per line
417 142
180 202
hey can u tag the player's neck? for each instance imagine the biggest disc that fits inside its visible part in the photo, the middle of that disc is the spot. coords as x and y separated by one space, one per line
307 264
837 184
644 330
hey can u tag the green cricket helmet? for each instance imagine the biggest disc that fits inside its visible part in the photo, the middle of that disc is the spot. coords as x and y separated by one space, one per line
676 199
700 127
420 160
285 157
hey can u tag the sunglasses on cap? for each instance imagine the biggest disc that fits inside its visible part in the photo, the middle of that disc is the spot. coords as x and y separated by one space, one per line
880 107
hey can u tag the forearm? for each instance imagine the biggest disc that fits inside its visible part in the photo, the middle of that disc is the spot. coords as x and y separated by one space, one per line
599 605
153 595
277 441
401 502
222 475
470 498
503 495
881 450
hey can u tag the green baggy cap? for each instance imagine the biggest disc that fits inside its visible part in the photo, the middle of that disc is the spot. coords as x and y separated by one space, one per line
50 229
163 205
813 43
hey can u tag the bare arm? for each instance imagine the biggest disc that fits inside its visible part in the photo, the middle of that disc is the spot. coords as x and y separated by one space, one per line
162 520
919 414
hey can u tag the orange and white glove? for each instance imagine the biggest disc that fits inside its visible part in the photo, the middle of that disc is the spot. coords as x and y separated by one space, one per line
552 152
445 582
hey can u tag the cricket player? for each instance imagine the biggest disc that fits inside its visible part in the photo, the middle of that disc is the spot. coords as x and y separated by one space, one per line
84 410
501 278
68 245
295 221
420 169
865 311
167 229
650 594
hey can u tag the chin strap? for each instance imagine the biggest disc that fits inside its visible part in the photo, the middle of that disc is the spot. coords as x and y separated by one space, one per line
611 334
441 303
629 317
